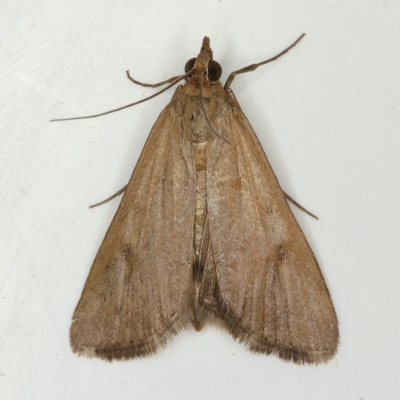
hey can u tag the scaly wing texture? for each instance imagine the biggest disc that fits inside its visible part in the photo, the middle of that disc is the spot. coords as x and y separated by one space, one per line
136 293
261 276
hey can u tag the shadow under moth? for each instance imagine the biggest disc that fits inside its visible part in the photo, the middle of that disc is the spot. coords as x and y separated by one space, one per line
204 233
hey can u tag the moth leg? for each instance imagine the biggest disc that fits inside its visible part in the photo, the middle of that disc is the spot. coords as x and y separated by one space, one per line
153 85
109 198
300 206
253 67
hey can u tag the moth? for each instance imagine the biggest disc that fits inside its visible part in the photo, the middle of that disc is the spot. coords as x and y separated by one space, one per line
204 233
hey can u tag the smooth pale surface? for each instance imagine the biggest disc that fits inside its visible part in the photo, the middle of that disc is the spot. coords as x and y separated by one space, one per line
328 117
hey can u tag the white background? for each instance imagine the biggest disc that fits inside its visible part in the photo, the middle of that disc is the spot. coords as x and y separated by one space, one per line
328 117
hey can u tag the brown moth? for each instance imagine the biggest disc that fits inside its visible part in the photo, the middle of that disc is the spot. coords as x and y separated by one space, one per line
204 233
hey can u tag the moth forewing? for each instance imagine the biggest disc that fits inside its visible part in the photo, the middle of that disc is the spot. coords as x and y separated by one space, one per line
136 294
204 233
271 290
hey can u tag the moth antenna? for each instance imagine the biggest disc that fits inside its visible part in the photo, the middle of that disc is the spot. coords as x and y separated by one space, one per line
205 114
253 67
127 106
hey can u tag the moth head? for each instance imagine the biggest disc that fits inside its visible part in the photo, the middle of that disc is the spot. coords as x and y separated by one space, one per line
203 64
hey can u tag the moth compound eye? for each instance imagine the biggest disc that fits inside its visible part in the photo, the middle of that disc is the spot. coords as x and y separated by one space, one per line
214 71
189 65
